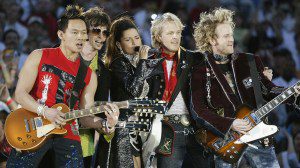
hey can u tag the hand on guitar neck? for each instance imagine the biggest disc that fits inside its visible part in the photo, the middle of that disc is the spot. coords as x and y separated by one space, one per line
241 126
112 114
57 117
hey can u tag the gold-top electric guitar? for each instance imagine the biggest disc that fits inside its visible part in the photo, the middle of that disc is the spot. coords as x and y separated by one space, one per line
232 149
25 130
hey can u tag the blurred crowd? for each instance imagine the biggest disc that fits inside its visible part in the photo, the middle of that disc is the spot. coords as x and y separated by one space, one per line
268 28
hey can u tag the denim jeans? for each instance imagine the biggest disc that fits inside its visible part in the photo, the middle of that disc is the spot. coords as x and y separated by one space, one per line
68 154
186 151
257 158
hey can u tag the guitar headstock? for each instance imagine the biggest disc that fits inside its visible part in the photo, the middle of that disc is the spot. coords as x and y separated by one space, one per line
140 126
145 105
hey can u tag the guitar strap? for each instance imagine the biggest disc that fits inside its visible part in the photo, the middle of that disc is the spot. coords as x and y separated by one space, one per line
79 84
255 81
257 93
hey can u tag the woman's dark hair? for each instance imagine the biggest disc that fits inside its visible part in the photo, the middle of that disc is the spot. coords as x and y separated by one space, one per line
116 31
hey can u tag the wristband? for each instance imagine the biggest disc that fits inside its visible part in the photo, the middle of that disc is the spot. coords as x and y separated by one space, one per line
107 127
9 101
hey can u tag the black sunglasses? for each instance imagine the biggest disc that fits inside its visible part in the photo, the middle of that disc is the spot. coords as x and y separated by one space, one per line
98 31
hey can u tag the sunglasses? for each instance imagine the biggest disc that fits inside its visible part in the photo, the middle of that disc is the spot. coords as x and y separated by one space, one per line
105 33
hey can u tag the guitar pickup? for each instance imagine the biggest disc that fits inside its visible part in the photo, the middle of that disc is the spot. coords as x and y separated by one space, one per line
27 125
32 124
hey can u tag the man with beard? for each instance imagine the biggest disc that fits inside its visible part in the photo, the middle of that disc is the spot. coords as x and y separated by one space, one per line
222 83
47 78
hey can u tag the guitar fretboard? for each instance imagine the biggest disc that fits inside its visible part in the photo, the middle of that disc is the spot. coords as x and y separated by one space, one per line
84 112
264 110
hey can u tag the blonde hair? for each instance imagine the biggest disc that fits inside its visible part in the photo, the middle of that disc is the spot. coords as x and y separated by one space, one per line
204 30
157 26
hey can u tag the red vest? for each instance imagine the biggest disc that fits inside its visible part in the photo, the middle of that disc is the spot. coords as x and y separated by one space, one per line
54 83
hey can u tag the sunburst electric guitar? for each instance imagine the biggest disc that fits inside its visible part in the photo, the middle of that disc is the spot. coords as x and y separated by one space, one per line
232 149
26 131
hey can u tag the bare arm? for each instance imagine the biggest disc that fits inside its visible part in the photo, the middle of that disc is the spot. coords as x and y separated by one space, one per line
26 81
87 101
6 98
27 78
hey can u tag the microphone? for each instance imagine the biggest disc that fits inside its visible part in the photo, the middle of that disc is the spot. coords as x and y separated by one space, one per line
151 51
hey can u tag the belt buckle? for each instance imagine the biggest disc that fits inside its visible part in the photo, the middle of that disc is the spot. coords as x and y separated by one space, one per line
184 120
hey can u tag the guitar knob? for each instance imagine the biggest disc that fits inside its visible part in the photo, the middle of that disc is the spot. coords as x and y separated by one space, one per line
19 139
59 108
232 147
33 141
228 151
231 157
235 152
24 143
28 136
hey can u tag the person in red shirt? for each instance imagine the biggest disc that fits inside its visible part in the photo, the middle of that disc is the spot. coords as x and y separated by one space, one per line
47 78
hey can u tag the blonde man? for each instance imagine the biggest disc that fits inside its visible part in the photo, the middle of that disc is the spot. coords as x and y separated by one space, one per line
223 83
177 147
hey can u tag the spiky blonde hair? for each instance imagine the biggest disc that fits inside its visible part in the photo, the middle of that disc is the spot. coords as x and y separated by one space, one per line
157 26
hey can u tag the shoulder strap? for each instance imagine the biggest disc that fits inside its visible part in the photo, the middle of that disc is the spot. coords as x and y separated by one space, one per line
79 84
255 82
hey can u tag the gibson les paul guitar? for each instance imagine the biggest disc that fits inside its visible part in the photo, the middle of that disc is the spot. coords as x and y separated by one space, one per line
26 130
230 150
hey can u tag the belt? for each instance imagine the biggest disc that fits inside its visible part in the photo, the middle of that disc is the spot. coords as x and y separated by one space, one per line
178 118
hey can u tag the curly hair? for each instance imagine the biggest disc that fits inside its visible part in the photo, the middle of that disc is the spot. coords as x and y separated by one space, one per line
204 30
158 23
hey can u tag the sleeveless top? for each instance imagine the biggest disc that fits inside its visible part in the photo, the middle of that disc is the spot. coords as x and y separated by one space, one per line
54 83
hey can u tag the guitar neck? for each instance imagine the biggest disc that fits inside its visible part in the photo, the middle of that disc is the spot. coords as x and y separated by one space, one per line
94 110
264 110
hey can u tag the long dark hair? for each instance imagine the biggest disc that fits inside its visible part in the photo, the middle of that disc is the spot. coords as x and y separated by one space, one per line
116 31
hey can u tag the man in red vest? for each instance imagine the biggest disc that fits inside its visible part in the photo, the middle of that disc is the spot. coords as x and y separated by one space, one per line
48 78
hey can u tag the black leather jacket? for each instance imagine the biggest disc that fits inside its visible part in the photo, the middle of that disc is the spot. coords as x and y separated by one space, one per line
127 81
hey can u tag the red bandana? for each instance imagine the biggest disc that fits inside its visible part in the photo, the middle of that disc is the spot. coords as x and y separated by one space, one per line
172 81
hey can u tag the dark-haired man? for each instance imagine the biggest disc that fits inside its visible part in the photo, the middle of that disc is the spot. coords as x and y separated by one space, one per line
47 78
98 23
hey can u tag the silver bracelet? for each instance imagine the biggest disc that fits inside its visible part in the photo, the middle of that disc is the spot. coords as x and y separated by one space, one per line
109 130
41 110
